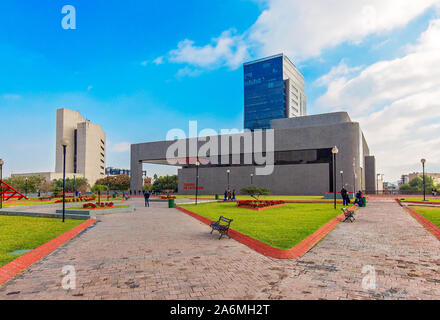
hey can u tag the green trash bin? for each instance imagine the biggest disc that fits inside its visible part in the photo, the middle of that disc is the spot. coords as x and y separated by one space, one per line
216 197
364 201
170 203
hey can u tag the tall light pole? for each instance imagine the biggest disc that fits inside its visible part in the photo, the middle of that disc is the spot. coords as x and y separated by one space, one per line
342 177
108 186
377 183
64 143
1 183
424 184
26 187
252 176
197 179
228 172
334 153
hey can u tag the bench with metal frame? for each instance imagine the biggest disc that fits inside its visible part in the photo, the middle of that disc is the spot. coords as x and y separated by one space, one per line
222 226
349 214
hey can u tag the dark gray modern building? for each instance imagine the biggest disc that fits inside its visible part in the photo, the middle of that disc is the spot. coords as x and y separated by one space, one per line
273 89
301 155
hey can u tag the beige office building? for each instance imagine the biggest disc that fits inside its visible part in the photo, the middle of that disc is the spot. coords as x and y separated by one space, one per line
85 153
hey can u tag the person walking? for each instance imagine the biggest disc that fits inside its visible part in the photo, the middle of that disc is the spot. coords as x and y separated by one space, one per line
344 196
226 195
233 195
147 198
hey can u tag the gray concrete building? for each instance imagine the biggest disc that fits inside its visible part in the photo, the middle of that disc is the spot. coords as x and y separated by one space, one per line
301 153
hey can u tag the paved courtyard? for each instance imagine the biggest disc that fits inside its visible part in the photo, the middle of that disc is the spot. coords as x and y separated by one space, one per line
161 253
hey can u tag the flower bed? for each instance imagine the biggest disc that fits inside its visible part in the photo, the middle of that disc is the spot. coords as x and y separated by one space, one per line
75 200
97 205
260 204
167 197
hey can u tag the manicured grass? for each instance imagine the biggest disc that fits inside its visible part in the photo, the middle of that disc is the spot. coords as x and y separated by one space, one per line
21 233
270 197
430 213
421 199
280 227
26 203
88 209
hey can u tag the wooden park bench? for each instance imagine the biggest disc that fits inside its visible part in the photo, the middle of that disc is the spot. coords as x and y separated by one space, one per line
349 214
222 226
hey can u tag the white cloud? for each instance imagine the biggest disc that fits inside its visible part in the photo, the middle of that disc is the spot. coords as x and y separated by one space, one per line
397 103
227 50
159 60
387 81
188 72
144 63
340 70
300 29
120 147
10 96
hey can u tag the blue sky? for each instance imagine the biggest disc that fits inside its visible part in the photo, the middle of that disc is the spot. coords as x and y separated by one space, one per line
141 68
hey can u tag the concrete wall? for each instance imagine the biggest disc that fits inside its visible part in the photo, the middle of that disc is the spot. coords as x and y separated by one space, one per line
67 122
91 162
370 174
308 179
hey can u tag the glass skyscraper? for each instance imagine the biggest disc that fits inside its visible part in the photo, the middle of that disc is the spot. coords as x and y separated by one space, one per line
273 89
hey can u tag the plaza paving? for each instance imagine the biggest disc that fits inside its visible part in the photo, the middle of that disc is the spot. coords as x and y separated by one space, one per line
161 253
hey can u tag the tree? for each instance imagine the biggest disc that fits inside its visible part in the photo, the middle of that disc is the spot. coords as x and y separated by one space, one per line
254 191
72 185
165 183
99 188
31 185
120 182
147 187
46 186
416 183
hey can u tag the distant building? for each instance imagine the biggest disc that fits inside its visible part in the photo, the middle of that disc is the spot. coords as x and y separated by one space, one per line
85 153
273 89
404 179
116 171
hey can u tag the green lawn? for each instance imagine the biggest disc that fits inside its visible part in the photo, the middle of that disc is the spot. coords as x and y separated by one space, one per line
270 197
430 213
87 209
421 199
26 203
280 227
21 233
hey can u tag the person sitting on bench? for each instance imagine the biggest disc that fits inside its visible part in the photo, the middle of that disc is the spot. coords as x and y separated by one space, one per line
358 199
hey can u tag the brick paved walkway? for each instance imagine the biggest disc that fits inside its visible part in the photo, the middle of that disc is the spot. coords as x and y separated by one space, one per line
159 253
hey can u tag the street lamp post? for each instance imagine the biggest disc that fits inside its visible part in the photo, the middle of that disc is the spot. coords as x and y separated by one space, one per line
334 153
197 179
1 183
108 186
26 187
228 172
342 177
424 184
252 176
64 143
377 183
